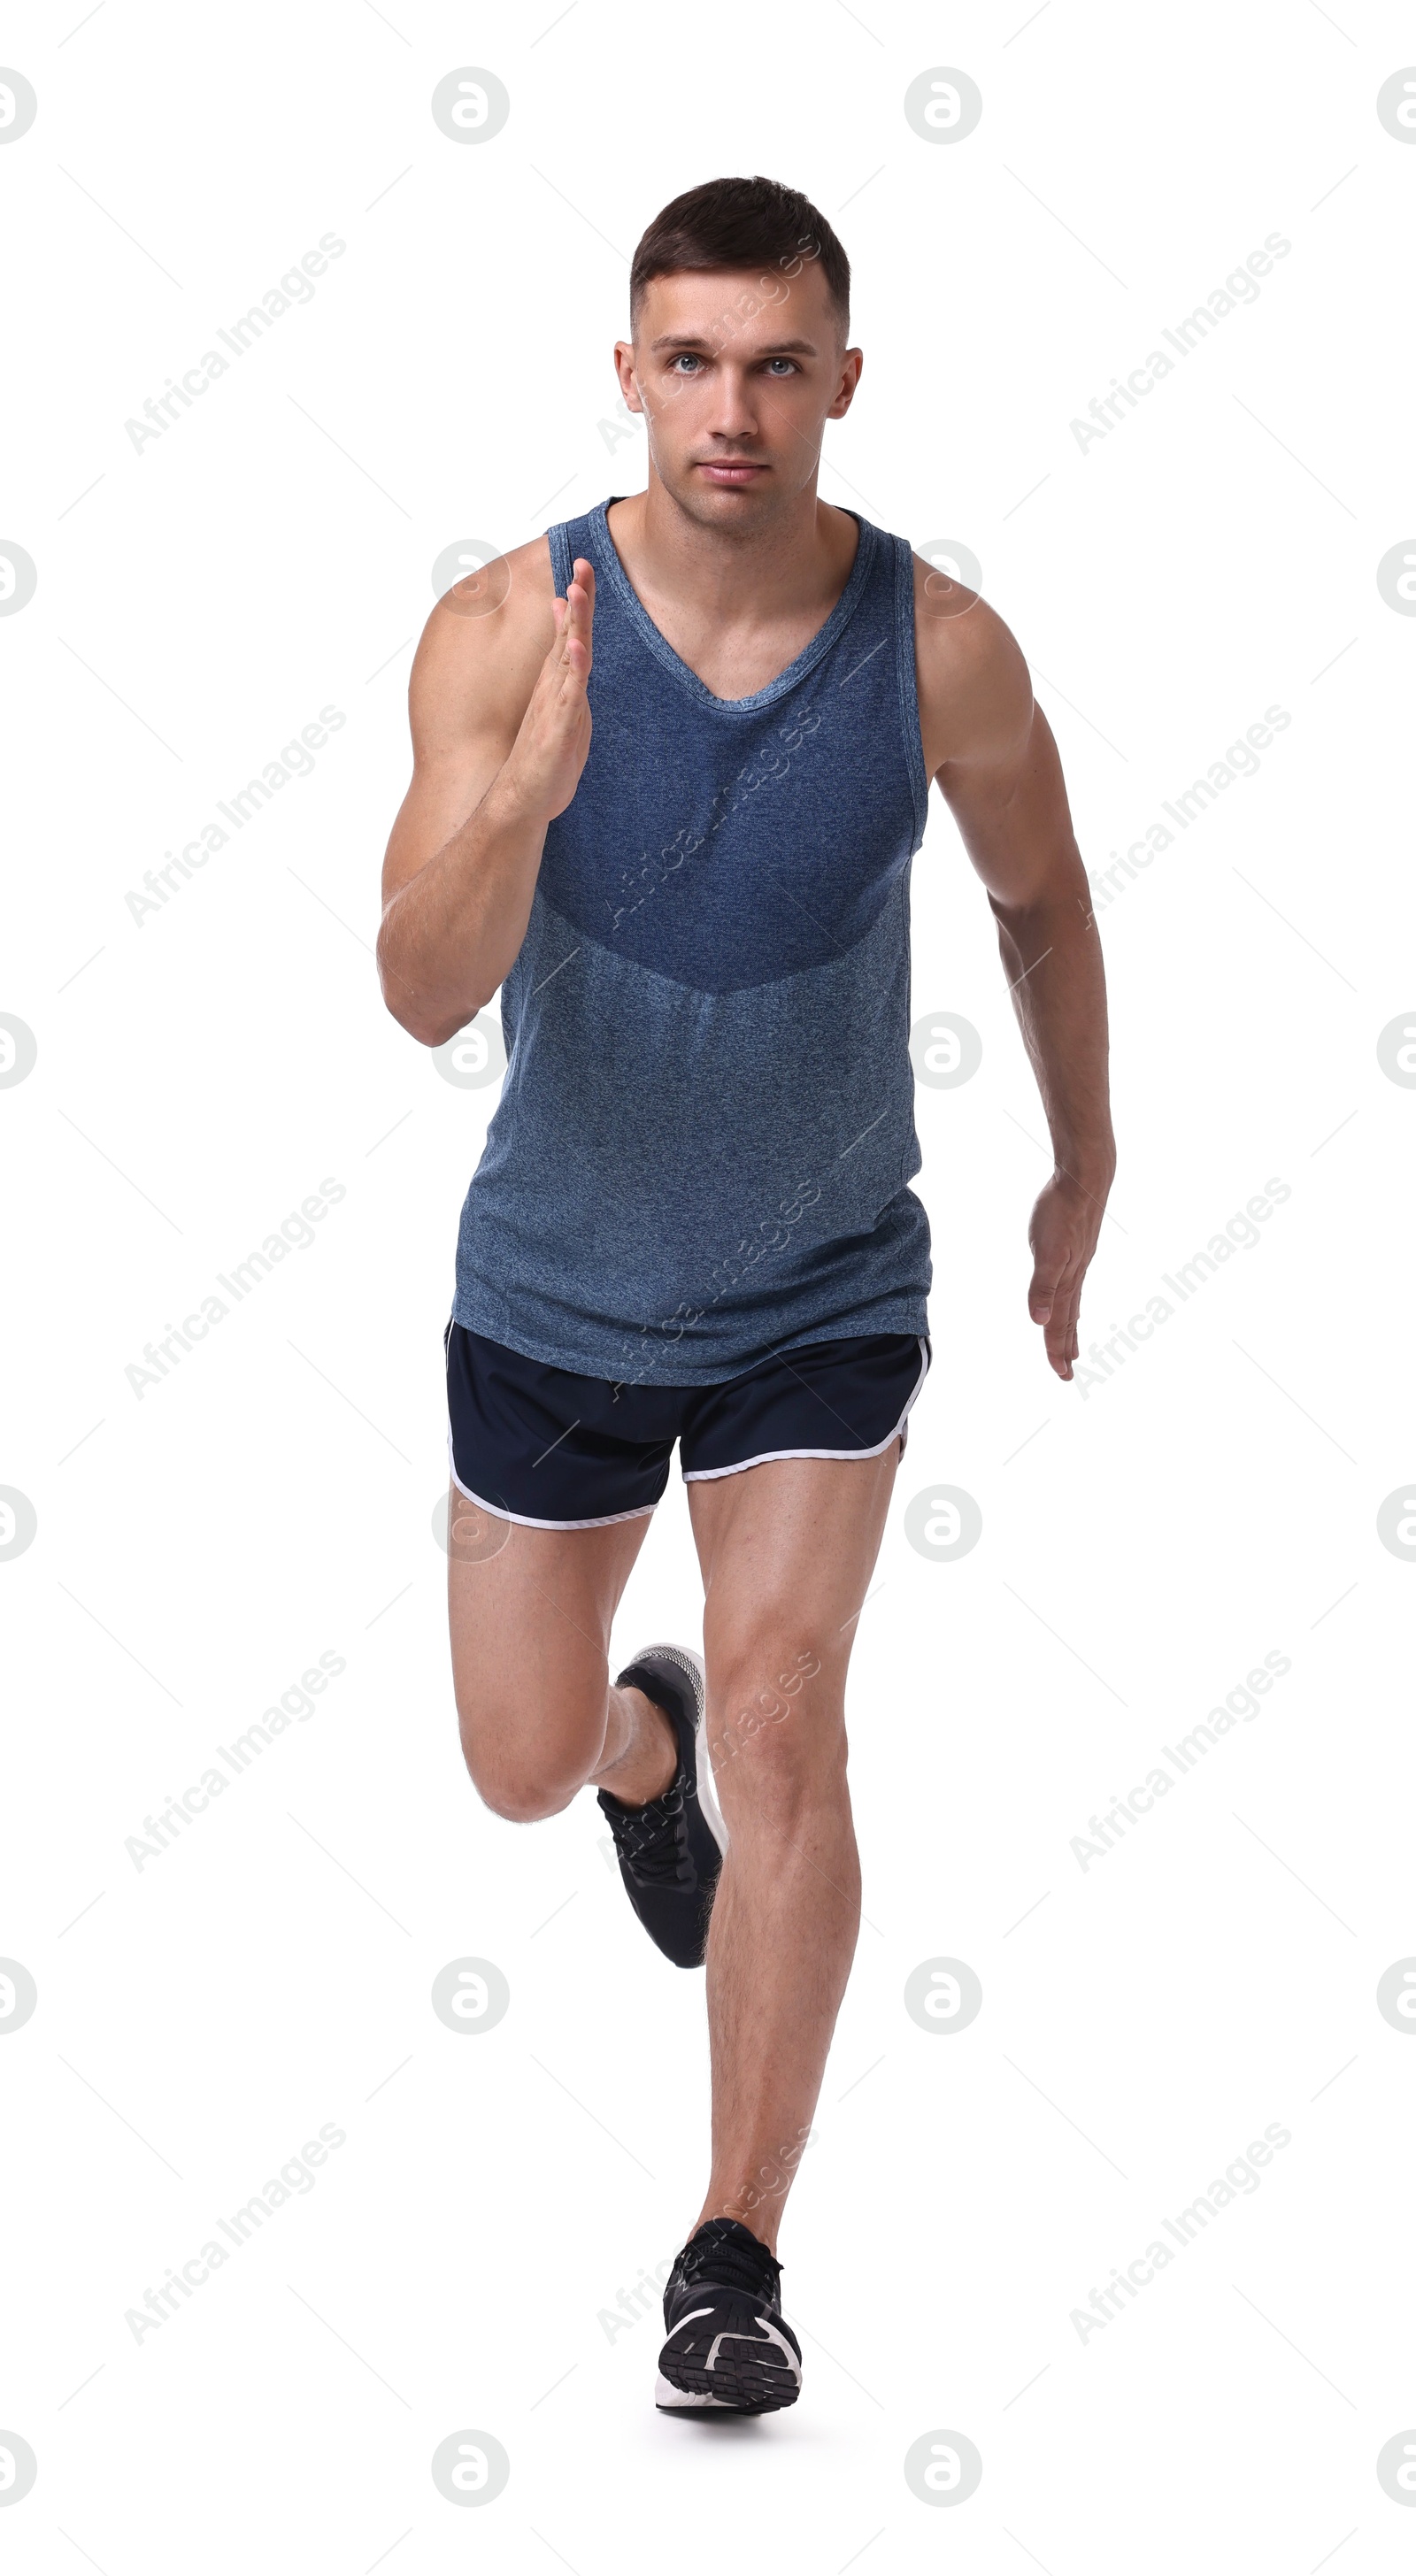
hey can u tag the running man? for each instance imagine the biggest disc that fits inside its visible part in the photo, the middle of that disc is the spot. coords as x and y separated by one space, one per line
671 767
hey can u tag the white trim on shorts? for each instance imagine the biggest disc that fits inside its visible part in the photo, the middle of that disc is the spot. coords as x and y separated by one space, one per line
691 1476
706 1475
523 1520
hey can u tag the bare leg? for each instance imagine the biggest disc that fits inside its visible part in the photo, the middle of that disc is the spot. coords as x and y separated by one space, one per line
530 1614
787 1551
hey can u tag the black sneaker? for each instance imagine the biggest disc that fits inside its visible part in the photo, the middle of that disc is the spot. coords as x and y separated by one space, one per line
670 1851
727 2346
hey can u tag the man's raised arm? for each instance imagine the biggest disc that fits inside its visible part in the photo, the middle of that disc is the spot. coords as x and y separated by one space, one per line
501 730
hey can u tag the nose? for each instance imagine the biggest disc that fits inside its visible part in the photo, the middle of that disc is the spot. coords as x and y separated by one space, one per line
733 413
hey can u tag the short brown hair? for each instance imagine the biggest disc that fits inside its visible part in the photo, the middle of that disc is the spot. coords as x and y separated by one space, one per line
740 223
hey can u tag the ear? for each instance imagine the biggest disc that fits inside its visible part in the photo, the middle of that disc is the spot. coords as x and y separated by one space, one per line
624 369
851 364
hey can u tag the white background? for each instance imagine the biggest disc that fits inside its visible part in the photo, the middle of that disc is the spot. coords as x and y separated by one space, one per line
1146 1542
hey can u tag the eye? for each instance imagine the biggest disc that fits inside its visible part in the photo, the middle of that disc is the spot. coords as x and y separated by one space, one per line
790 365
683 359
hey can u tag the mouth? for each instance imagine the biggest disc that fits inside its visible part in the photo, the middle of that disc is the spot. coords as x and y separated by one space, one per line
729 470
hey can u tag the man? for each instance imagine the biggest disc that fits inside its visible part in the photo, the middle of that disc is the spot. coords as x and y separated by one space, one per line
691 1219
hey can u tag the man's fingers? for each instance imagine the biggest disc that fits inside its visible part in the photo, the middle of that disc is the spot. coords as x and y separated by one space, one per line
1054 1298
1044 1288
559 695
583 584
572 622
1056 1306
580 594
1060 1335
576 667
558 659
573 667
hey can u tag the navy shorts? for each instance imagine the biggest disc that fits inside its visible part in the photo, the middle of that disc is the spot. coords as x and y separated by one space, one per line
553 1450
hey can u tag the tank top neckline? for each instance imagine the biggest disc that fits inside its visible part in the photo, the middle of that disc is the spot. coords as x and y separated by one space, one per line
658 643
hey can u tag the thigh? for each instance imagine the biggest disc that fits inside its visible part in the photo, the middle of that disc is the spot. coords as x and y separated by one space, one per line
530 1611
787 1550
789 1468
554 1477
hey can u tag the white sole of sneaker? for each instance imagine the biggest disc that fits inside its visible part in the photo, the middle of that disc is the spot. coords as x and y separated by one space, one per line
676 2401
692 1664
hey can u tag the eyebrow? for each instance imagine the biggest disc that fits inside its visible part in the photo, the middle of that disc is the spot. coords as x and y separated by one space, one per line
698 340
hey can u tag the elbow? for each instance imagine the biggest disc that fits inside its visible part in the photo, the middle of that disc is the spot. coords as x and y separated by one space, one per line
429 1027
431 1032
425 1017
405 1007
422 1020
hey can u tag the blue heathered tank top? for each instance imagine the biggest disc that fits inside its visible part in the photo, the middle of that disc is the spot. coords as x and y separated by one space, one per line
706 1126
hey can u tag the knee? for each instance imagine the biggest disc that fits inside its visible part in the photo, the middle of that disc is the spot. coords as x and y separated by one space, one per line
522 1796
525 1765
776 1735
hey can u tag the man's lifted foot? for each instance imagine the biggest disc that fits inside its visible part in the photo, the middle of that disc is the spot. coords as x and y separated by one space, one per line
671 1850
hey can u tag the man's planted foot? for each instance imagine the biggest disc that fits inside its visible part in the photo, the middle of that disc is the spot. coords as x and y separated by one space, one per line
728 2347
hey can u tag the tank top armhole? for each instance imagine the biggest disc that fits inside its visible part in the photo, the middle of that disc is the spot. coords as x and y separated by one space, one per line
909 683
559 537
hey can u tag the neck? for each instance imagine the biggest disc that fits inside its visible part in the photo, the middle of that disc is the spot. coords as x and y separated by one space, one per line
797 555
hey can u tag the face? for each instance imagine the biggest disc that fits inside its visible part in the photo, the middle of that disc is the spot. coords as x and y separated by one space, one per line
737 373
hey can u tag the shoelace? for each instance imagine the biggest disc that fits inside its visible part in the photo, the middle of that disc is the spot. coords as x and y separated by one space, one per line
726 2262
653 1840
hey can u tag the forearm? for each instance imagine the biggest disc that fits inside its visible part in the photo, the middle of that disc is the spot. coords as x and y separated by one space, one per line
450 934
1052 958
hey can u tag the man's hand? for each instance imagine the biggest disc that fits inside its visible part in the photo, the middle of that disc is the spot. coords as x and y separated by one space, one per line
1063 1233
501 733
553 744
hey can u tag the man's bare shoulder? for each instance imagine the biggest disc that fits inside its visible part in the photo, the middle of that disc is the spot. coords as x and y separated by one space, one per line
476 664
975 696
